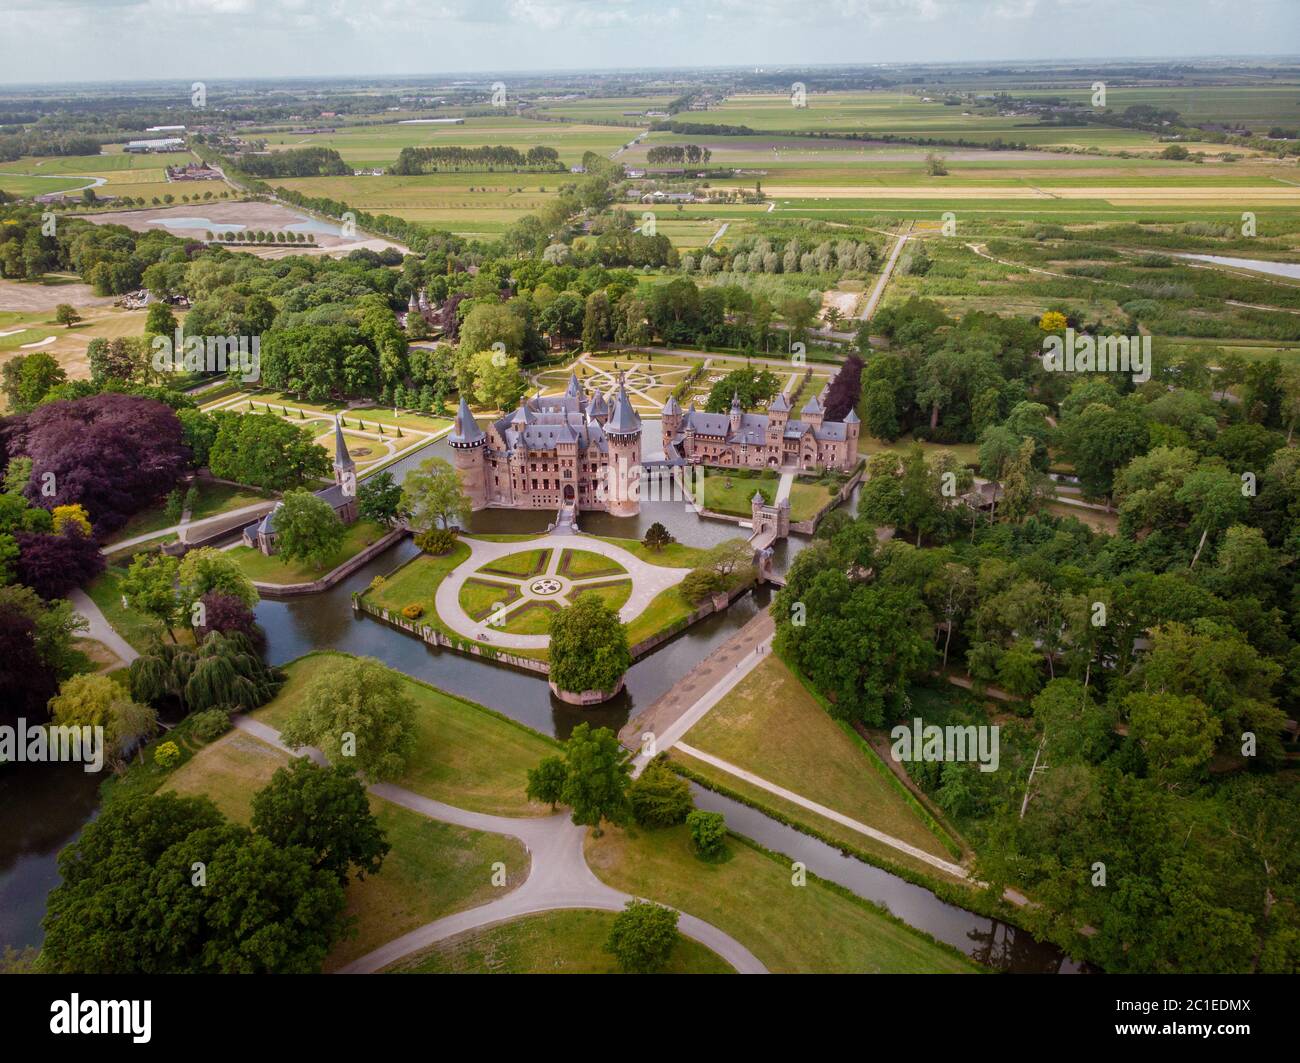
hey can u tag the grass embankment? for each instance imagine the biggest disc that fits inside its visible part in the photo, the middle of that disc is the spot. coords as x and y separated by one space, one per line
259 567
465 754
814 757
749 894
566 942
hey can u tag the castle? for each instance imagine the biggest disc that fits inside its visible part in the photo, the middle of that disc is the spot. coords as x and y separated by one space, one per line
341 495
761 441
554 452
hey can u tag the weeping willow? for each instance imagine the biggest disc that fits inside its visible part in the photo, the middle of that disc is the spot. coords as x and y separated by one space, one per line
223 672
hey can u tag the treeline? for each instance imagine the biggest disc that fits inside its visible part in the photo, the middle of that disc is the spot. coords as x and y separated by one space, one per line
297 162
702 129
414 161
16 146
678 153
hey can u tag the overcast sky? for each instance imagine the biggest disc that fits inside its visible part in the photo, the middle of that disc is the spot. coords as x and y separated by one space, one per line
92 40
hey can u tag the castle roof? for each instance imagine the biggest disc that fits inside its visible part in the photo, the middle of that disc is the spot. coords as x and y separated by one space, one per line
812 406
851 417
671 409
342 459
599 407
779 404
466 429
575 385
624 419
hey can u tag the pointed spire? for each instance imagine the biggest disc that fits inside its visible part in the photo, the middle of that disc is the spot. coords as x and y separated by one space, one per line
342 459
735 400
625 419
575 386
466 429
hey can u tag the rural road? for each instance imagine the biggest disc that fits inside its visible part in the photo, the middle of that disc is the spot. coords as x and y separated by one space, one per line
558 877
870 308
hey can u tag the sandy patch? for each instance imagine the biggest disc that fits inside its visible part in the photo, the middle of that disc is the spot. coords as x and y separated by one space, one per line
26 297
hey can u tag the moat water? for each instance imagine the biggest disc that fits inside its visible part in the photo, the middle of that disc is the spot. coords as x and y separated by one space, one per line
43 809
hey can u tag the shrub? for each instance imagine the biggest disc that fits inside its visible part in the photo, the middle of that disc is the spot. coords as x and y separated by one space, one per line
167 755
643 936
708 832
436 540
210 724
660 798
379 583
413 611
700 583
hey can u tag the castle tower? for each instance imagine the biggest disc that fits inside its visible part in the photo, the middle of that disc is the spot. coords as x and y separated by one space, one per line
812 412
672 419
736 412
852 426
688 433
469 455
345 474
623 430
778 416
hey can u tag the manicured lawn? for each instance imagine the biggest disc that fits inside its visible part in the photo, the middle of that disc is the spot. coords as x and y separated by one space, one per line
807 500
614 595
432 869
524 563
275 569
137 628
417 581
728 493
666 608
465 755
532 618
583 564
479 598
565 942
792 929
771 725
674 555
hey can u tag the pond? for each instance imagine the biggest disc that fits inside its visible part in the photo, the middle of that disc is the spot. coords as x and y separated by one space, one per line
1259 265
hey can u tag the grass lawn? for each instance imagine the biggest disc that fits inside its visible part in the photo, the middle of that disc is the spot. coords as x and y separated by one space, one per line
433 868
274 569
727 493
807 500
582 564
479 598
525 563
565 942
614 594
815 757
532 618
465 755
665 609
749 895
674 555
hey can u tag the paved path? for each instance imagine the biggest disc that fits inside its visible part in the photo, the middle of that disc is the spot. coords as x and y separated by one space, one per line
99 628
675 711
647 581
558 876
188 526
869 308
783 488
829 813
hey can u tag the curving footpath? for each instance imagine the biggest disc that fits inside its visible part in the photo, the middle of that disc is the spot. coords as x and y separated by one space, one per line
558 876
647 581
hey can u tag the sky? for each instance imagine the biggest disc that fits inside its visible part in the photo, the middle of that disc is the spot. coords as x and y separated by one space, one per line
110 40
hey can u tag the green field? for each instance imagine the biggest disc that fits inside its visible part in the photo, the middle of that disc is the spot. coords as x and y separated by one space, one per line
259 567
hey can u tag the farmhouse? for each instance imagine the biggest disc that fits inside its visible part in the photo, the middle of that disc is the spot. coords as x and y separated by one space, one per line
554 451
341 495
761 441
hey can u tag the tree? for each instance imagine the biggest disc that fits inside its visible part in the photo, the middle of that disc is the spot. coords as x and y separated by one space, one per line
433 496
643 936
1177 732
657 537
496 382
546 781
150 586
660 797
379 499
588 647
65 314
52 565
128 902
28 378
208 569
266 451
708 833
327 812
97 701
307 528
595 786
223 672
356 709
